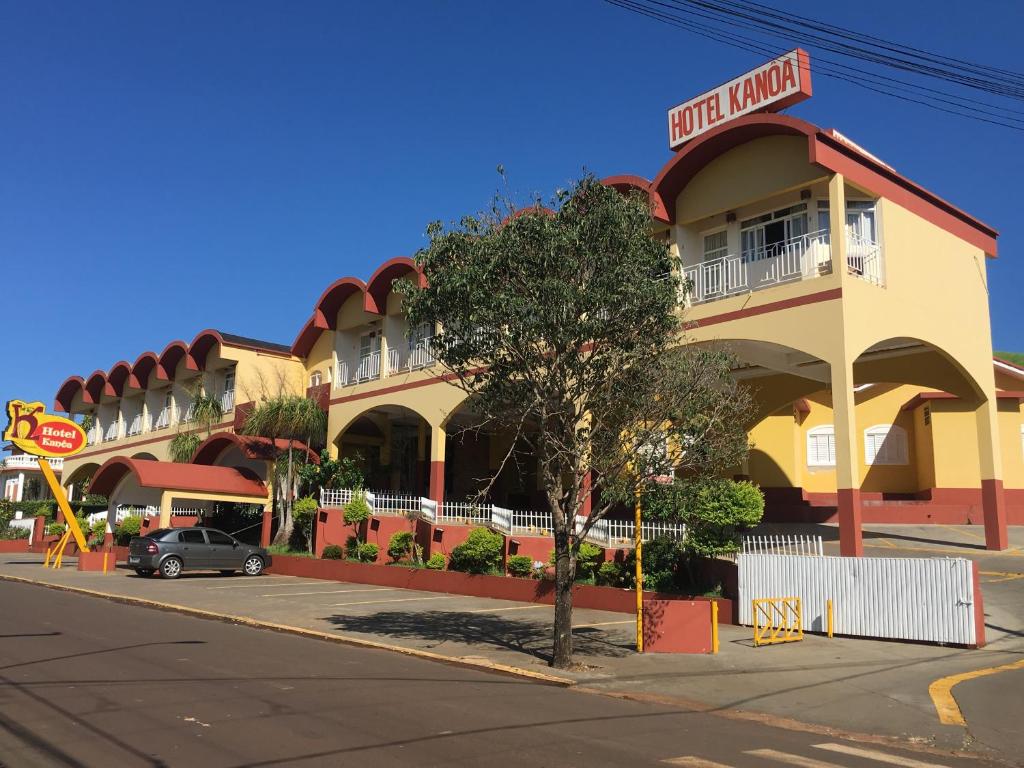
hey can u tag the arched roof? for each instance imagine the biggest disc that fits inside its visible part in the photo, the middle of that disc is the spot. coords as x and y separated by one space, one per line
828 149
168 475
331 301
120 374
252 447
202 344
97 386
173 354
379 285
146 366
66 393
626 183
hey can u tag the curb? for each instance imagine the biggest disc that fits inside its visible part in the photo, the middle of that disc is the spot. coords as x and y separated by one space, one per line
480 665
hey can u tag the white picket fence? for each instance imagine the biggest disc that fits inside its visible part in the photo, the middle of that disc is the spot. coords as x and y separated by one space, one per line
621 534
930 600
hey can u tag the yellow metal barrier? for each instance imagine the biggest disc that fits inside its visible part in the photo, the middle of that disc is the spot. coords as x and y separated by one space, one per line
778 620
714 626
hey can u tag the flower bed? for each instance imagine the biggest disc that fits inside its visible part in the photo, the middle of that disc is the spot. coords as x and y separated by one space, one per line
496 587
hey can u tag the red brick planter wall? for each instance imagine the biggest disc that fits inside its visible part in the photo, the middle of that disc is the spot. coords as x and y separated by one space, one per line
497 587
14 545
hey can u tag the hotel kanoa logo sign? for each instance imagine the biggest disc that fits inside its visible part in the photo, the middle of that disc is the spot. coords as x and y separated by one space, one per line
769 88
34 431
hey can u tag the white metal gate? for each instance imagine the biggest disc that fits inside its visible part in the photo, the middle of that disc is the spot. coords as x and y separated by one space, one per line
887 597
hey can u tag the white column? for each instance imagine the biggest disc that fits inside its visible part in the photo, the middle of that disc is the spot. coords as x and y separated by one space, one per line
21 487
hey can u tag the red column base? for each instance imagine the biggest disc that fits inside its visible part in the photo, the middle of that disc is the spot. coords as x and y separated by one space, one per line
993 504
268 519
851 540
437 481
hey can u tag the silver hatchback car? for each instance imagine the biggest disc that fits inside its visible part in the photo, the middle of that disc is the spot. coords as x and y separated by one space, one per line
173 550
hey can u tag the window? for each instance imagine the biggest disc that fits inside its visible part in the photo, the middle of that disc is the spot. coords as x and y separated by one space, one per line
191 537
314 379
885 444
369 344
821 446
715 245
766 236
860 219
216 537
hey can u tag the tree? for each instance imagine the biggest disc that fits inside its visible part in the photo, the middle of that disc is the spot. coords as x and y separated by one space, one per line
563 327
330 473
291 418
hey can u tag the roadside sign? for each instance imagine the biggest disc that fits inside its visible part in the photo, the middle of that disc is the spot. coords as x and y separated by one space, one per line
38 433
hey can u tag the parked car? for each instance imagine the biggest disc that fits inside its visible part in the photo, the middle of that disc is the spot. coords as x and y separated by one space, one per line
173 550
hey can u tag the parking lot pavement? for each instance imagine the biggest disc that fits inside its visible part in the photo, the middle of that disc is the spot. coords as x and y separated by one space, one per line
848 684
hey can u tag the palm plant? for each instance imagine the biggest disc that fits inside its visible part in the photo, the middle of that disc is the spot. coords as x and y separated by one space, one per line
291 418
205 412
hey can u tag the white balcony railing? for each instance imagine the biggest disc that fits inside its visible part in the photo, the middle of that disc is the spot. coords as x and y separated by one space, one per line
798 258
186 413
342 377
420 355
368 368
113 430
22 461
163 419
394 361
134 426
227 401
95 435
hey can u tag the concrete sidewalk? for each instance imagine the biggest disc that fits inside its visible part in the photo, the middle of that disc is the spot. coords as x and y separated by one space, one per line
849 685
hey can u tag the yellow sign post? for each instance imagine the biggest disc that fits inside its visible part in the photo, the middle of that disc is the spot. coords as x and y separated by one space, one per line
44 436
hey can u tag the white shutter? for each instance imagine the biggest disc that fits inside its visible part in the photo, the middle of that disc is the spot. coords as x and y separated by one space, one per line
821 447
885 444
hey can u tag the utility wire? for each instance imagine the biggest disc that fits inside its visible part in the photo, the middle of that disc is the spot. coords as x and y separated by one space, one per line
955 104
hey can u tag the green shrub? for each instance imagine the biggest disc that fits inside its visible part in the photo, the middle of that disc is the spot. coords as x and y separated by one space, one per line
520 565
127 528
586 560
55 529
303 518
47 508
609 574
479 553
367 553
9 533
662 558
333 552
400 545
352 548
436 562
98 531
357 510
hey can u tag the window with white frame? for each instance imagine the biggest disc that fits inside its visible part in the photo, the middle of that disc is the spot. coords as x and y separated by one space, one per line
315 378
885 444
821 446
716 245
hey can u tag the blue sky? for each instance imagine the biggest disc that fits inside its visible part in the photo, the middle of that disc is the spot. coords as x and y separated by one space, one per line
168 167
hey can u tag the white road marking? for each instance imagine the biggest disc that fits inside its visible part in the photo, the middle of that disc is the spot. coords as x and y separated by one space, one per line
262 582
329 592
694 762
881 757
398 600
785 757
604 624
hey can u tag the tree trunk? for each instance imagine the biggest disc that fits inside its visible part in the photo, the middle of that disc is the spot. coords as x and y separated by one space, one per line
564 576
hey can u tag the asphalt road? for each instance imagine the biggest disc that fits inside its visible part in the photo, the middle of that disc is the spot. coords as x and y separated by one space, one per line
89 682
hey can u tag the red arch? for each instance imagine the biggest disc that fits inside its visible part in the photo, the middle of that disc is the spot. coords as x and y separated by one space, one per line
173 354
97 385
379 285
626 182
325 316
252 447
686 163
180 477
202 344
147 365
66 393
119 375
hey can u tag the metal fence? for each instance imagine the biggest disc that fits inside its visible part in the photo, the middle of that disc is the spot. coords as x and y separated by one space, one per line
521 522
621 534
921 599
782 545
464 512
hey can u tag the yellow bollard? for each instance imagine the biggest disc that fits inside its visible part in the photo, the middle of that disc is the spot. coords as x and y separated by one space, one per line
714 626
828 606
105 555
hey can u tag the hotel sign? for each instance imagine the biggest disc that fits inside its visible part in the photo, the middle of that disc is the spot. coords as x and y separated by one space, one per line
769 88
41 434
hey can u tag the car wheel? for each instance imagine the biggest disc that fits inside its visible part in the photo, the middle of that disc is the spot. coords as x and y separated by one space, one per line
253 565
144 571
227 573
170 568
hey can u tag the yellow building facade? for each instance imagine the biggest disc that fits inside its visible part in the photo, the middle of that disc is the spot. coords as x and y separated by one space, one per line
855 301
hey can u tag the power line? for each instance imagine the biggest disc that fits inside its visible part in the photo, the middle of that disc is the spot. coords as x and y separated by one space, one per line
944 101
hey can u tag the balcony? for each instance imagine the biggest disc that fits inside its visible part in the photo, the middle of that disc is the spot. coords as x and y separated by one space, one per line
134 426
22 461
94 435
113 431
227 401
799 258
163 419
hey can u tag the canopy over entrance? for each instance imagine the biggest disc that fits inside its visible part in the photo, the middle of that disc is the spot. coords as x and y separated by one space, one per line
171 481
